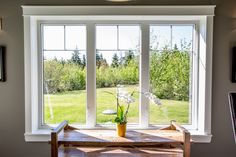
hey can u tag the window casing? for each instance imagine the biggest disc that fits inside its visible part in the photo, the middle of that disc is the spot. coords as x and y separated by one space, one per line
203 30
97 25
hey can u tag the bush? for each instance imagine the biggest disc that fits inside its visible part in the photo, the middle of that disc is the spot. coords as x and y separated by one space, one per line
169 75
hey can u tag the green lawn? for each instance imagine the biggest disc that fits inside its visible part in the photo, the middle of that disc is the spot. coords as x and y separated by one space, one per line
71 106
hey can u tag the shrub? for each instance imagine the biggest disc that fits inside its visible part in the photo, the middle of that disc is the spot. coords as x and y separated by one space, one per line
169 75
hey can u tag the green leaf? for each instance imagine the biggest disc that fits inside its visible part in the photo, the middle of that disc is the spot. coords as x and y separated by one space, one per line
120 112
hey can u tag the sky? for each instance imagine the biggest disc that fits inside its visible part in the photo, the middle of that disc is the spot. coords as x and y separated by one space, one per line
60 41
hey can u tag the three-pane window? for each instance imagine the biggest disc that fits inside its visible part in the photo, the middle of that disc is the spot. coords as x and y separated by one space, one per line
118 60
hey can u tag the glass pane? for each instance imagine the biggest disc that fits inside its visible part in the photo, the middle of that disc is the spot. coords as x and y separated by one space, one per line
53 37
160 37
129 37
182 37
64 83
76 37
113 68
106 37
170 81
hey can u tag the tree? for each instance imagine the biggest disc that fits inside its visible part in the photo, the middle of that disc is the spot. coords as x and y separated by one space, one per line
98 59
83 62
104 63
128 57
115 61
175 49
76 57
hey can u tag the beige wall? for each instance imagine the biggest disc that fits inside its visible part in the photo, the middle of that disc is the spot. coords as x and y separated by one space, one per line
12 91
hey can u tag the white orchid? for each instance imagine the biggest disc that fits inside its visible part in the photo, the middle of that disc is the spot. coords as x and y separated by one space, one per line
130 99
152 98
125 96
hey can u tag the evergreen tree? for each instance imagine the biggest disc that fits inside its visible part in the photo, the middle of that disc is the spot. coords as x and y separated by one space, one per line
128 57
98 60
115 61
104 63
76 57
175 47
83 62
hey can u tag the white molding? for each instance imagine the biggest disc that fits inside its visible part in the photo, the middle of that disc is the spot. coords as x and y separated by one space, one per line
89 14
144 76
119 10
44 136
27 66
91 76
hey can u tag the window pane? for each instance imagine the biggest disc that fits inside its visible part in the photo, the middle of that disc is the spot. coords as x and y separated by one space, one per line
76 37
113 68
53 37
182 37
160 37
170 81
129 37
64 83
106 37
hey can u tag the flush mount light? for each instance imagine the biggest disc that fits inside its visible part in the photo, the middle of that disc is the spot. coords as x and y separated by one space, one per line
119 0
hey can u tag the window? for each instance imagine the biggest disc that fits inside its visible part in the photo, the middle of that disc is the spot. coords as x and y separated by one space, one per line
171 72
64 73
117 62
73 61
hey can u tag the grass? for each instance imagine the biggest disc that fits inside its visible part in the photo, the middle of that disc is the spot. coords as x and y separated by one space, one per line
71 106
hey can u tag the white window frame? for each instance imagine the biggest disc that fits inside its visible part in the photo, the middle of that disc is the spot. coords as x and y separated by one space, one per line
33 15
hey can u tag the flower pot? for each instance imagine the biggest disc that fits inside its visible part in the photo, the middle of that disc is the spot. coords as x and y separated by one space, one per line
121 129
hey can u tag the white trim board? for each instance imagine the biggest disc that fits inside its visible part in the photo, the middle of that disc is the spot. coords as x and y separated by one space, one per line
207 10
34 14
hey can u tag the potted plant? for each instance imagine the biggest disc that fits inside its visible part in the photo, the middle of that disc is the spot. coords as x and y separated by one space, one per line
121 118
122 110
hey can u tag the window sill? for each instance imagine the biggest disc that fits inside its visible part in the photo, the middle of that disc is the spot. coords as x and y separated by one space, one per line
44 136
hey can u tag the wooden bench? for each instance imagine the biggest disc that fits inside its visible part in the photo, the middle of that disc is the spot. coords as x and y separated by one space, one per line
172 141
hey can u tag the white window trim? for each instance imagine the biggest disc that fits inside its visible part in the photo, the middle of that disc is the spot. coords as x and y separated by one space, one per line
32 14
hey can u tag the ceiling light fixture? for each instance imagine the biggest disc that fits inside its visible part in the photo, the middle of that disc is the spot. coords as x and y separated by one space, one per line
119 0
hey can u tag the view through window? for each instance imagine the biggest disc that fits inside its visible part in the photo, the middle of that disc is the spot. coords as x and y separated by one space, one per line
171 50
117 62
64 73
117 59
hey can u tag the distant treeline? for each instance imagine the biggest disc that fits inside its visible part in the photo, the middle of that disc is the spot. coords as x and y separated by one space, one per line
169 73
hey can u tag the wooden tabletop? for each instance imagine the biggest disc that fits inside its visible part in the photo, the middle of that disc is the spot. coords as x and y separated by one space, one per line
109 137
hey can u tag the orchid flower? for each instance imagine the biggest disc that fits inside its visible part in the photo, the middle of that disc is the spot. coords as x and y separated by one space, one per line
128 98
152 98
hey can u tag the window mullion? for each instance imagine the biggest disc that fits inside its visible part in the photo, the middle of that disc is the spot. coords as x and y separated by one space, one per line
91 76
194 78
64 37
144 76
